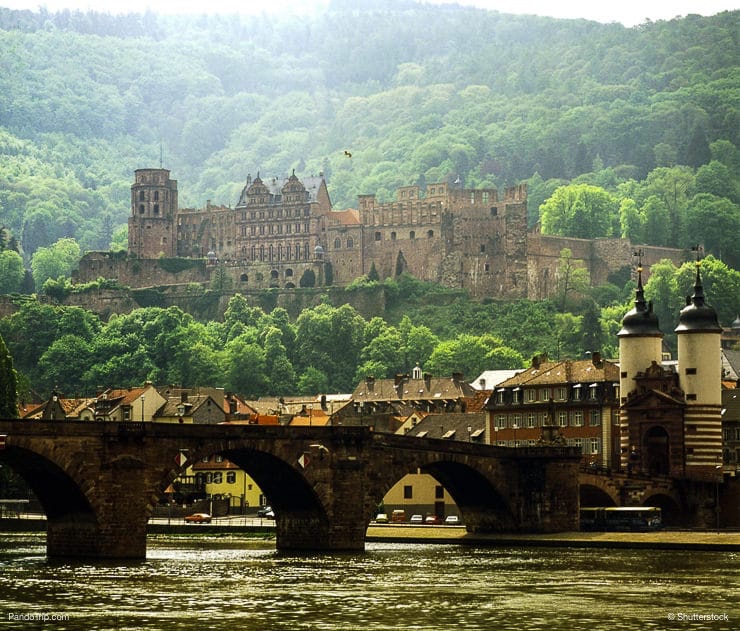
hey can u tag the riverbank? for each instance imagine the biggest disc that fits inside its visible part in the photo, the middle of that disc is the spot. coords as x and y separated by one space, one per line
658 540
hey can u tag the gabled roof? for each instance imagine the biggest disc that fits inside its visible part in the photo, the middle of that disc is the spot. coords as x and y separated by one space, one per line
122 396
490 378
408 389
193 403
348 217
565 372
316 417
452 426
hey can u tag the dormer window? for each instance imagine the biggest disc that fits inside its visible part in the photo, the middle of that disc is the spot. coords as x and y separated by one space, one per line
181 410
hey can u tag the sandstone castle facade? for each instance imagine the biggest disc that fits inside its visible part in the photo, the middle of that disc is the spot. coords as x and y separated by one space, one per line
283 233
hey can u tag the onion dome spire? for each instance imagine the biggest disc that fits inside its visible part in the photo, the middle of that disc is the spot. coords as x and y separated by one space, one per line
697 316
641 320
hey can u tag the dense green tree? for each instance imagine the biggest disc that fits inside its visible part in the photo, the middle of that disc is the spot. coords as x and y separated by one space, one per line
330 339
468 354
313 381
12 272
244 367
59 259
715 223
56 371
580 210
8 384
716 179
281 377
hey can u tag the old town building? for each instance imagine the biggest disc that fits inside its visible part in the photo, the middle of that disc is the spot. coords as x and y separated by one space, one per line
576 401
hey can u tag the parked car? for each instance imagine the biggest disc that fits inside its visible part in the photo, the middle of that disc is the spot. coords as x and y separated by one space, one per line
381 518
432 519
266 512
398 516
198 518
452 520
416 519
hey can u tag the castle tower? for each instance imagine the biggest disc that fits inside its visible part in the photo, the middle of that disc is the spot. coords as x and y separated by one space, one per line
640 346
151 225
700 374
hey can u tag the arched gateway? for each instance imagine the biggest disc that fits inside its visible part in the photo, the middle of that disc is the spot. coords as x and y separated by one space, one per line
98 482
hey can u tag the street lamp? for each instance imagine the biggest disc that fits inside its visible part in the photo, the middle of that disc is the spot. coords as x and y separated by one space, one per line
717 478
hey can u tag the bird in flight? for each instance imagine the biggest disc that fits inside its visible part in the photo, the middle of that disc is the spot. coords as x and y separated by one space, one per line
347 153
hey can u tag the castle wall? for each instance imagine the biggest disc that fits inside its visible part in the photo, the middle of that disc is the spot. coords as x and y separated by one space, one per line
602 258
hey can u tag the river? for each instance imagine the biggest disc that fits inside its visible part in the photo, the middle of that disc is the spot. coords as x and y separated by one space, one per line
206 582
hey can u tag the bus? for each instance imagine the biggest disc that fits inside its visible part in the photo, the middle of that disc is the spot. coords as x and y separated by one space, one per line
620 518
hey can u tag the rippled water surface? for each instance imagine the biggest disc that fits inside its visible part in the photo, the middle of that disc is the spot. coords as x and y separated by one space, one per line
212 583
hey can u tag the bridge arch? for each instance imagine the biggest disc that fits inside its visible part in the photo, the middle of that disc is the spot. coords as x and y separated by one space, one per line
481 505
592 495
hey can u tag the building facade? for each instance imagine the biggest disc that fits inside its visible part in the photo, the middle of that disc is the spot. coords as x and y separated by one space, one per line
576 400
284 233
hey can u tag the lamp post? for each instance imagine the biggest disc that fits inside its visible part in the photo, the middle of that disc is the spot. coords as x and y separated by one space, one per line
470 429
142 408
717 478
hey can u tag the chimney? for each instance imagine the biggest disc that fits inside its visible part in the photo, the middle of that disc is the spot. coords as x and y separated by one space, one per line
184 396
370 382
457 377
596 359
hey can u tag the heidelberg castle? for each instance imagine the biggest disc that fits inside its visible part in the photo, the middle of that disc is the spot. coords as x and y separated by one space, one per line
284 233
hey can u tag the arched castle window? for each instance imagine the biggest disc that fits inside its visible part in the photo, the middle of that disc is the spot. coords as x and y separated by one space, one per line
156 196
288 273
141 196
262 253
412 235
141 209
378 236
337 244
430 234
244 278
254 253
297 251
280 252
156 209
393 236
350 243
270 250
274 274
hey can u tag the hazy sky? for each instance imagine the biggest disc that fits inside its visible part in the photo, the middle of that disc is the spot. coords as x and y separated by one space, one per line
628 12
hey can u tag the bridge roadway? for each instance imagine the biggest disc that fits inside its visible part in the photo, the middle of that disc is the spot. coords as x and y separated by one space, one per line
98 482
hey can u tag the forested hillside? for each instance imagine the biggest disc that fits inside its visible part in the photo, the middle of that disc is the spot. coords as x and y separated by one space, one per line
414 92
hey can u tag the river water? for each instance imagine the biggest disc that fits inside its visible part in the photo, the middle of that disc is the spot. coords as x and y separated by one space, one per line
202 582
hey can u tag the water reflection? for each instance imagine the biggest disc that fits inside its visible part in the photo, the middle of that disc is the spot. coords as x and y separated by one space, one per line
201 582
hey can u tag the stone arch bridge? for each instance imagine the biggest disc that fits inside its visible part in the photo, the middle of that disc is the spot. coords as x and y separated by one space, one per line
98 482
